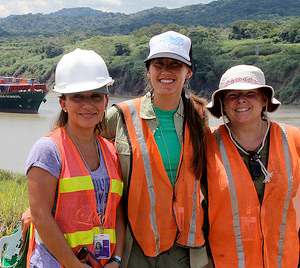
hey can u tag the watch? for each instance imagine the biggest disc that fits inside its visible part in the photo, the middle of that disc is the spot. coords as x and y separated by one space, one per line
117 257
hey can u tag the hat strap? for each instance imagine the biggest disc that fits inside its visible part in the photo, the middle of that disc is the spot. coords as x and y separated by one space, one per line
268 175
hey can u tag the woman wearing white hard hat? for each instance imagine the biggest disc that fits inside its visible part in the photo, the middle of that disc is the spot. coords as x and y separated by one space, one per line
74 179
253 175
159 141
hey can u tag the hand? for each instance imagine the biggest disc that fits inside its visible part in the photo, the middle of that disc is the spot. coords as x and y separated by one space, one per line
112 264
25 220
83 265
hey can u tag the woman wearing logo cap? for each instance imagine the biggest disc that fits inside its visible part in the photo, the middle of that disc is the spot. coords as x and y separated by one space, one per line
253 174
73 174
159 141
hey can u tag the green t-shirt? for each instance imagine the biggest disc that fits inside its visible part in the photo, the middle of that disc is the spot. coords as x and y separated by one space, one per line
167 142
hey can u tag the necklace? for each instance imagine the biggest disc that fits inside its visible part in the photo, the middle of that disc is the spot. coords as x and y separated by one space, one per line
171 176
257 141
81 155
101 205
165 144
267 175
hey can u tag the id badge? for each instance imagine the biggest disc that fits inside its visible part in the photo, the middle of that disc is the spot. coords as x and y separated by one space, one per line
102 246
248 228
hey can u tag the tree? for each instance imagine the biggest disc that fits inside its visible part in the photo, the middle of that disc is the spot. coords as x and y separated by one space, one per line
122 49
3 32
53 49
206 47
291 33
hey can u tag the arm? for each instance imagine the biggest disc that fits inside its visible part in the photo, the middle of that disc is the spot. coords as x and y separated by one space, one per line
120 233
110 122
41 188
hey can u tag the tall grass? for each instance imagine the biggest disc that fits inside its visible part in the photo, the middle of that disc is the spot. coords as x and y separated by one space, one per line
13 200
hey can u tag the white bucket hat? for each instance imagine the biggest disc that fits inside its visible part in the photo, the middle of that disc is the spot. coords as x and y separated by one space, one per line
80 71
171 45
242 77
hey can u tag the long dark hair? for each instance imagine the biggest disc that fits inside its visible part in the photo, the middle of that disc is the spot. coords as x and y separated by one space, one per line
196 118
62 118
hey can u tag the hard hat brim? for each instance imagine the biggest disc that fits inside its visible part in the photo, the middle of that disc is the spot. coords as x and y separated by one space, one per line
85 87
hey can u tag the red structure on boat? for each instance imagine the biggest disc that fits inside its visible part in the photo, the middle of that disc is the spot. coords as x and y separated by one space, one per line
19 95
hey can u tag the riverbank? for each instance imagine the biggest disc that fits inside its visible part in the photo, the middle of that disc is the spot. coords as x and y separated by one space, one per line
13 198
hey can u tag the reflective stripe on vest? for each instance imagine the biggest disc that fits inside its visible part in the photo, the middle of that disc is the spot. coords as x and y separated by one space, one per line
76 213
69 185
147 165
116 187
192 231
182 223
87 237
82 183
234 202
289 192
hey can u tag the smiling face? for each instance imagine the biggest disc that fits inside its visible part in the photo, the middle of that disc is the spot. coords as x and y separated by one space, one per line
168 76
243 106
84 110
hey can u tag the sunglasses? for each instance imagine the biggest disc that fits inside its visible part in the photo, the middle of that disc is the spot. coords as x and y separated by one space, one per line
255 167
82 256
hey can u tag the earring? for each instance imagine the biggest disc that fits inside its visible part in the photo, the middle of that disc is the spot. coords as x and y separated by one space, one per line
187 89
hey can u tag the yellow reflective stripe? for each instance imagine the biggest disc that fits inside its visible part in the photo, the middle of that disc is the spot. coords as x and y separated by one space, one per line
31 230
112 235
82 237
117 187
76 184
87 237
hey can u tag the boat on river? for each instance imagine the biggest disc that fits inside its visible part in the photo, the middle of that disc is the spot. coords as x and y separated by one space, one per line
18 95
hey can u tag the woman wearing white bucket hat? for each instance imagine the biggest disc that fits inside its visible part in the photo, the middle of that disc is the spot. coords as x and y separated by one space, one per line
74 180
253 175
159 141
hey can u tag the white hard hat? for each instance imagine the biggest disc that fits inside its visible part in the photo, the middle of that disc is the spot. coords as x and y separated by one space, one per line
80 71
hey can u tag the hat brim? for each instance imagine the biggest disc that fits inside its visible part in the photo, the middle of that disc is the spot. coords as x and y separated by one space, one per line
86 87
170 56
214 106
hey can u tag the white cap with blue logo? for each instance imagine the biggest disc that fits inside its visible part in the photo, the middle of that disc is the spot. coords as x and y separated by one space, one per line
171 45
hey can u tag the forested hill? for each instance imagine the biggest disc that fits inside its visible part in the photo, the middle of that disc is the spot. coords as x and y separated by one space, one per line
215 14
224 33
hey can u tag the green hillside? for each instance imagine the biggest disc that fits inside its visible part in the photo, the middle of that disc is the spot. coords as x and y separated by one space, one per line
267 36
215 14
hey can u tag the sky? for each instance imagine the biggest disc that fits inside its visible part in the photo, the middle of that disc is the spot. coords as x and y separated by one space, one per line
19 7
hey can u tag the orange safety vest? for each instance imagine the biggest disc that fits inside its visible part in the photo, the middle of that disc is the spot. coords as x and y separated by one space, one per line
76 213
160 216
243 232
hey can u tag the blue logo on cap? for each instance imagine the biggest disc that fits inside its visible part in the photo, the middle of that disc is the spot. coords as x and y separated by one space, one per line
172 43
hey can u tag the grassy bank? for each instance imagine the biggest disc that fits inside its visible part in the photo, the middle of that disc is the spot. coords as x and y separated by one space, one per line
13 200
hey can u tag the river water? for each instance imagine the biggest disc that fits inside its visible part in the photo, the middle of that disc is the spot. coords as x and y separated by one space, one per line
19 132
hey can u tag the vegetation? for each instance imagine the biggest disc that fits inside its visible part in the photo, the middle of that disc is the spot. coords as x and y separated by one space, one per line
265 33
263 43
267 36
215 14
14 200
